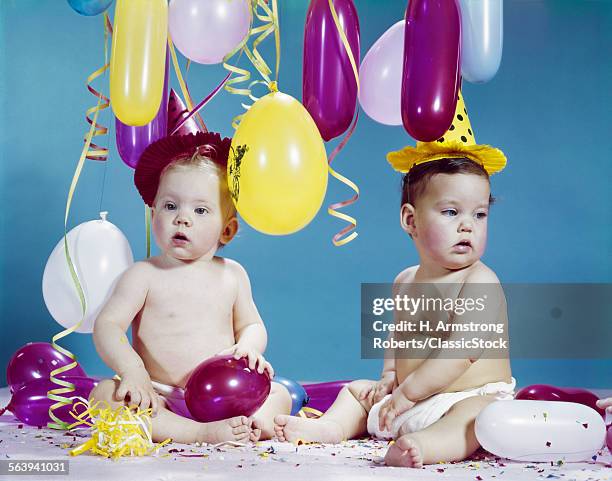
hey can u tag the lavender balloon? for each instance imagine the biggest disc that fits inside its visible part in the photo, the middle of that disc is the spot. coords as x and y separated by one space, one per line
30 403
223 387
431 75
132 140
35 361
380 77
205 31
329 86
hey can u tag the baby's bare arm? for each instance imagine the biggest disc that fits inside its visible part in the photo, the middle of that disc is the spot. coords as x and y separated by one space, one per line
113 321
249 328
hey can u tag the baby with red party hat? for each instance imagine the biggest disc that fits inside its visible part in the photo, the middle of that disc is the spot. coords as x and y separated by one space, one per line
186 304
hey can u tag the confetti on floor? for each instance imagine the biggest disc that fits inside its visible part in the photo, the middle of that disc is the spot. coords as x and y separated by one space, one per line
355 460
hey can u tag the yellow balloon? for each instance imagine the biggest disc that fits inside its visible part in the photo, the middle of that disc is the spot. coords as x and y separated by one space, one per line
277 169
138 59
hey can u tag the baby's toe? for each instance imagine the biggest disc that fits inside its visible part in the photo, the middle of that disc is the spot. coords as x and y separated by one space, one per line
239 421
281 420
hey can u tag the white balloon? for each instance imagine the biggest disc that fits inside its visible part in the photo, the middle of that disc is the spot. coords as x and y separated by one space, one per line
540 431
380 77
100 253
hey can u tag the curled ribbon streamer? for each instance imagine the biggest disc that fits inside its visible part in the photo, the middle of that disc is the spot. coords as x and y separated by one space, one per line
184 89
270 25
332 210
96 152
67 387
116 432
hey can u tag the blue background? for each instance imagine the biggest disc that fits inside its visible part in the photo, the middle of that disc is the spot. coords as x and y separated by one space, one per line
548 108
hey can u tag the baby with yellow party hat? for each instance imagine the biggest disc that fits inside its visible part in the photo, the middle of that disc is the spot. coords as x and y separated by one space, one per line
428 404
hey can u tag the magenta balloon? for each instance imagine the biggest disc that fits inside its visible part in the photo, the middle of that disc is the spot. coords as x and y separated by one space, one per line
132 140
545 392
329 87
432 67
322 395
34 361
30 403
223 387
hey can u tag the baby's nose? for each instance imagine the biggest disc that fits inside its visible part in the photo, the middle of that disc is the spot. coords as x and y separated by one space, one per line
182 220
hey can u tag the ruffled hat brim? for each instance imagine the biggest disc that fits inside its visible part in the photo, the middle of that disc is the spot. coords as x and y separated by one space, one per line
157 156
493 160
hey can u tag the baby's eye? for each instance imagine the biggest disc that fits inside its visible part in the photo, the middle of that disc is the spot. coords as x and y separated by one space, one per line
481 215
201 210
449 212
170 206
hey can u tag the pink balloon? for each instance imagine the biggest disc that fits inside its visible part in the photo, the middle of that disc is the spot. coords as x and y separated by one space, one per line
329 88
205 31
380 77
30 403
177 111
323 394
545 392
432 67
34 361
609 438
222 387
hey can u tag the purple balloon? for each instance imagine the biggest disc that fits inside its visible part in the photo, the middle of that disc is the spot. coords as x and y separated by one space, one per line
34 361
323 394
432 67
30 403
132 140
222 387
329 87
545 392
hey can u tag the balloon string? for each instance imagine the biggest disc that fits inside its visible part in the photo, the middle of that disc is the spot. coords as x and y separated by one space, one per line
67 387
184 89
332 210
148 229
270 25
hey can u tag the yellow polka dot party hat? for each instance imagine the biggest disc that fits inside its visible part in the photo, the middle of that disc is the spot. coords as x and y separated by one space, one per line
458 141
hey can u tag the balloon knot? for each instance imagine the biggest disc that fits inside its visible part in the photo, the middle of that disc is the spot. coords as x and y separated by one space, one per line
273 86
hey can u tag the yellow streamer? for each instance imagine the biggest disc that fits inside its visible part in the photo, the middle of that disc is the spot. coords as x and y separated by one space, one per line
116 432
332 209
184 89
67 387
269 17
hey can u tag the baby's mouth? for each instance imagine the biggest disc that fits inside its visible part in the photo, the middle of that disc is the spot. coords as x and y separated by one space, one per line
463 246
179 237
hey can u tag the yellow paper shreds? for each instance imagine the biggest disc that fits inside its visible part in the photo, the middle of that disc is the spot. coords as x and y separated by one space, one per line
116 432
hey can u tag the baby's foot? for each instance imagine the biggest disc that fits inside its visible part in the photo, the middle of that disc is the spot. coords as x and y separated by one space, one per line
292 428
256 427
233 429
405 452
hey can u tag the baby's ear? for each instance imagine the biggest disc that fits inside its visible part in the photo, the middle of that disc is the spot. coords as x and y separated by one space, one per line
407 219
229 231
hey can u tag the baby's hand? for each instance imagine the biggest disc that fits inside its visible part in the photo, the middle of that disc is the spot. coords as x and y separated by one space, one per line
378 390
394 406
605 404
255 358
136 384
